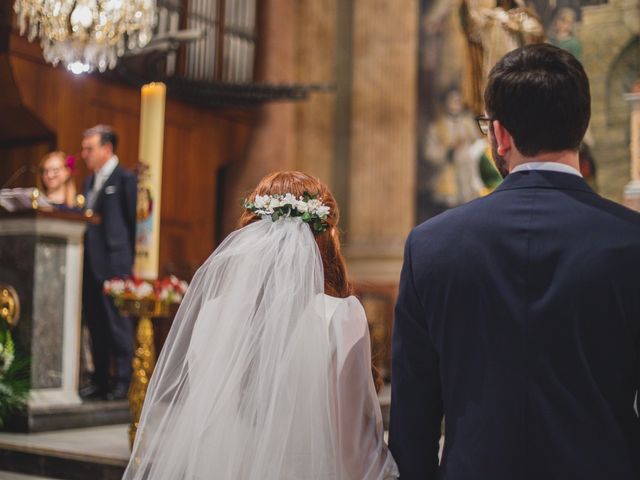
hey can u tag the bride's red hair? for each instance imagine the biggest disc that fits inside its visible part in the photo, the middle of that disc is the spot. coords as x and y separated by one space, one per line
336 282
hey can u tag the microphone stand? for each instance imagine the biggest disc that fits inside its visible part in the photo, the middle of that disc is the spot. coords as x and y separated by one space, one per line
19 172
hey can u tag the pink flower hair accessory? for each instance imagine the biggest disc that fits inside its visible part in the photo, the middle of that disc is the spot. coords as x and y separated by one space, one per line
70 163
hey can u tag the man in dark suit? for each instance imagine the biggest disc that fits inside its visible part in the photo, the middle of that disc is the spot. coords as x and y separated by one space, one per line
109 249
518 315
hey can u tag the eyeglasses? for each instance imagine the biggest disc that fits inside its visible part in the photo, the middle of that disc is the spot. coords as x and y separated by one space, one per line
484 124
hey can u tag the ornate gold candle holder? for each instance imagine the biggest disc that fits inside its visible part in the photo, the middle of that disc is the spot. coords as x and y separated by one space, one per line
144 357
35 194
9 305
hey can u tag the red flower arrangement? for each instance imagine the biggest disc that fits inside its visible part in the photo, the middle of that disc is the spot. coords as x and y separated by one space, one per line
166 290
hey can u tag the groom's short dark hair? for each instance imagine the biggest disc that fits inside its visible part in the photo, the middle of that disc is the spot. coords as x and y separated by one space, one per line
540 94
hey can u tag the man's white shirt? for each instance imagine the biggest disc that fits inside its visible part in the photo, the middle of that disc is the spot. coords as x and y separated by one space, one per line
101 176
104 173
548 166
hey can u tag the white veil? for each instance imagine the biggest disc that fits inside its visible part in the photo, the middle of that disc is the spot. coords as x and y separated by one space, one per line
240 390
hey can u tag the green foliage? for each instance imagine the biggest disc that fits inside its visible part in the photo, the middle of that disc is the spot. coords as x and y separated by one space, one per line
14 377
14 388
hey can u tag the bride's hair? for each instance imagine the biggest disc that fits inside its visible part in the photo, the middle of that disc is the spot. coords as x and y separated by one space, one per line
336 282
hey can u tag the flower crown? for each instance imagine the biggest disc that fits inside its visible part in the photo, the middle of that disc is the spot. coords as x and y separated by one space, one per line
307 207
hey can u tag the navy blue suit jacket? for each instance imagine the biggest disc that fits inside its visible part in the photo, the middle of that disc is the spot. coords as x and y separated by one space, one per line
110 245
518 320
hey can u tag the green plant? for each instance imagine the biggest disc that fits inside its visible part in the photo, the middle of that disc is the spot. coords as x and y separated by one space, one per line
14 376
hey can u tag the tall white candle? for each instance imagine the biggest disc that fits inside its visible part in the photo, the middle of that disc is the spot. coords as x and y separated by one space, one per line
150 180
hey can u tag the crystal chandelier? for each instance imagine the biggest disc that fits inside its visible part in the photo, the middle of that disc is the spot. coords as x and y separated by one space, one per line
87 34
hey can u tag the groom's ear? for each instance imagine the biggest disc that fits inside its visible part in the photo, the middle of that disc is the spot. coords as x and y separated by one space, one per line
504 140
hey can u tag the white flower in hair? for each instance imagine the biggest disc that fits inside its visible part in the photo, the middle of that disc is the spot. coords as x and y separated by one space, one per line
323 211
275 202
316 207
289 199
309 208
302 206
261 201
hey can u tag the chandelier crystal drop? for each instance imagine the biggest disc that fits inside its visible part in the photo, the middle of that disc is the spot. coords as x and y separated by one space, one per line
87 34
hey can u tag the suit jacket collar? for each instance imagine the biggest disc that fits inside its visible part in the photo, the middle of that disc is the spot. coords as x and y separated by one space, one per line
544 179
111 180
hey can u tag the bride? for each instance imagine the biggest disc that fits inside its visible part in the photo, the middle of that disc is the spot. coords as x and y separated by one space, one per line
266 373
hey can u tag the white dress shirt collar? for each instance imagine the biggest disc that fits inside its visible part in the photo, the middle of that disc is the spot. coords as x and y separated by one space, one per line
105 172
549 166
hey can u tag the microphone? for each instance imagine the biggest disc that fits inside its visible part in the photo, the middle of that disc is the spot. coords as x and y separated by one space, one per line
18 173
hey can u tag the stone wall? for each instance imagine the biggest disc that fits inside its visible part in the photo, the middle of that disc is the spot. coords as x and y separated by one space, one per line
611 57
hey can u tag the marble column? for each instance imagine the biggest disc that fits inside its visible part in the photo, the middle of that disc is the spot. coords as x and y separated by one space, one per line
271 146
631 194
315 62
382 152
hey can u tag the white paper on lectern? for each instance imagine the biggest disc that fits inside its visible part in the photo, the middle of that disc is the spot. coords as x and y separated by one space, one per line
16 199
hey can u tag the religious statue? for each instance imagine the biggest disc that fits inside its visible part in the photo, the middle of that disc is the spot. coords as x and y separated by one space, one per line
546 10
444 41
452 155
561 33
493 28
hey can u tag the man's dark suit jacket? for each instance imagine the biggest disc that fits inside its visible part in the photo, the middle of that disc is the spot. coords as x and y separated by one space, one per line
518 319
110 245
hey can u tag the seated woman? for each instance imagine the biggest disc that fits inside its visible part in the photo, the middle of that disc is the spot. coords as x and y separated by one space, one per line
55 180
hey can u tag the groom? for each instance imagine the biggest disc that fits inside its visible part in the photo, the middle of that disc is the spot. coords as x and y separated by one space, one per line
518 315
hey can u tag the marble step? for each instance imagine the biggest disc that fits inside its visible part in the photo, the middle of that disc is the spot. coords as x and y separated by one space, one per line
98 453
87 414
4 475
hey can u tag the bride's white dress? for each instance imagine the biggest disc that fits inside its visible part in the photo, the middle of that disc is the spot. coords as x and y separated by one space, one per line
263 376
